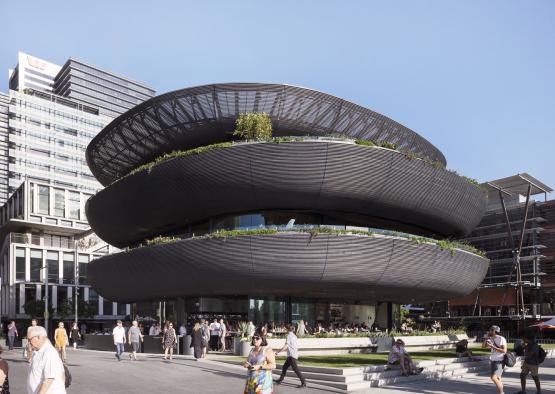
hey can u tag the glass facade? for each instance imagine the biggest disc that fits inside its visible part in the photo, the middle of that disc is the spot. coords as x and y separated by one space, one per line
52 260
69 268
48 139
268 309
19 264
36 265
59 203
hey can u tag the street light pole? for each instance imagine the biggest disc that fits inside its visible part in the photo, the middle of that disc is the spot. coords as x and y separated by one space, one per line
76 281
46 295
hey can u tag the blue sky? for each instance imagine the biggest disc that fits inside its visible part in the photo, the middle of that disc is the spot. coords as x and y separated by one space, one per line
476 78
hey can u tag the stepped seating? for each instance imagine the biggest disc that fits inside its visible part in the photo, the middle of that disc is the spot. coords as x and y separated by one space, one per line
356 379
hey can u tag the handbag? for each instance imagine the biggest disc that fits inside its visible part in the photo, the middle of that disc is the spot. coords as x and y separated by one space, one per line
509 359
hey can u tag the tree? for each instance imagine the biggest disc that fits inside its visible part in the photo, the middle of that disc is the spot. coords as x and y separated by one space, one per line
64 309
85 309
254 126
34 308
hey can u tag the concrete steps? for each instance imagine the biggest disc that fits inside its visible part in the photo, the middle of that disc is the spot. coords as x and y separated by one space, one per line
351 380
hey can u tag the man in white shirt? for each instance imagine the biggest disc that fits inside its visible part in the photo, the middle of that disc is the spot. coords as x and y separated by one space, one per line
292 347
46 372
182 330
498 346
214 335
119 339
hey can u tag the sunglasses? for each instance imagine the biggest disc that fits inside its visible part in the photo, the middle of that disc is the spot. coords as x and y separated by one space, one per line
256 338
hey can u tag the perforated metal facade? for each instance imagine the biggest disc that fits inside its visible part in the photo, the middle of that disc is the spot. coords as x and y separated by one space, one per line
204 115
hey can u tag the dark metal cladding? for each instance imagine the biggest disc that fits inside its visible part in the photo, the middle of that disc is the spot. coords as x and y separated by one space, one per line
310 175
290 264
203 115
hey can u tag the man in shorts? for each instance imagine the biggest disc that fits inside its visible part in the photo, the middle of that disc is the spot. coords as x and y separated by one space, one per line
530 364
498 346
135 338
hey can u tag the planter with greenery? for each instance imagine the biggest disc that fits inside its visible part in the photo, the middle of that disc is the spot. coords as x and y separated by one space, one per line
253 126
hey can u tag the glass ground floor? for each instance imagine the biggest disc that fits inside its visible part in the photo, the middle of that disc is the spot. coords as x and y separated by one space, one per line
261 310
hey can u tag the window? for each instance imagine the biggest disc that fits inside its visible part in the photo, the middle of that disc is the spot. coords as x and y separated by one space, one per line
107 304
93 301
32 202
69 268
36 265
74 205
53 266
19 264
122 308
83 265
30 293
84 201
44 200
59 203
61 296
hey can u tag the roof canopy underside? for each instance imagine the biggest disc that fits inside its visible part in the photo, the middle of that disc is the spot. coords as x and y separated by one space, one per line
518 184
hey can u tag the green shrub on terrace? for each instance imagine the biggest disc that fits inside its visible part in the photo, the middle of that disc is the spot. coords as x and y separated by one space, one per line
161 240
370 144
254 126
365 143
181 153
452 246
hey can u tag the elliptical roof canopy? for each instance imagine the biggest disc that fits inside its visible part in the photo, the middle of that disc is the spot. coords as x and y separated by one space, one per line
203 115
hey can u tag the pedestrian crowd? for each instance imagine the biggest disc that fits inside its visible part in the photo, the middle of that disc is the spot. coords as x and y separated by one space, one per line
48 371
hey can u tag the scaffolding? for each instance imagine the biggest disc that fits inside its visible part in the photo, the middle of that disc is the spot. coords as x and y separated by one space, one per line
516 247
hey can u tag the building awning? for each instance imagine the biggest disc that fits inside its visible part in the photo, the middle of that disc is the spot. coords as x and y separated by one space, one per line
517 184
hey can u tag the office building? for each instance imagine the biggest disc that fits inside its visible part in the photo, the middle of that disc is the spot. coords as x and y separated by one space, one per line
111 93
45 182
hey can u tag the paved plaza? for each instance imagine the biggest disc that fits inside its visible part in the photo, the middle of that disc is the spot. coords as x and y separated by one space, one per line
100 372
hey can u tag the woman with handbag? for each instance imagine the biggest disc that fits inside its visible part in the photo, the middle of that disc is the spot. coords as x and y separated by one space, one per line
196 340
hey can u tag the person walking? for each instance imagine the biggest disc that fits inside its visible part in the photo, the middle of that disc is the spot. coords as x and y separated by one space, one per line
12 333
169 340
61 340
119 339
135 337
205 337
75 335
46 372
28 351
260 363
531 363
214 335
197 341
292 347
4 369
498 346
223 333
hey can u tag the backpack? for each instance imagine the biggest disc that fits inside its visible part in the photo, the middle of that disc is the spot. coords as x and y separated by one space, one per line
541 354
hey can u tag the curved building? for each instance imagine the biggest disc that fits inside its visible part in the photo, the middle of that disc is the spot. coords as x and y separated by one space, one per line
344 205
